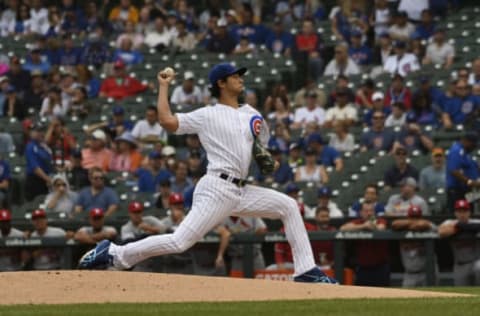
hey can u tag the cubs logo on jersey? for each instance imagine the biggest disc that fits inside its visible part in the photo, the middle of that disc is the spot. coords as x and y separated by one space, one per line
256 125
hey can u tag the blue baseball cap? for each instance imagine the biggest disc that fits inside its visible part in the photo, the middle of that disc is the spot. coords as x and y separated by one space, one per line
324 192
315 138
222 71
118 110
292 187
154 155
411 117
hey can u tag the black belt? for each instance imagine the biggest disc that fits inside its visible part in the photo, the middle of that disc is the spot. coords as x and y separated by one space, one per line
236 181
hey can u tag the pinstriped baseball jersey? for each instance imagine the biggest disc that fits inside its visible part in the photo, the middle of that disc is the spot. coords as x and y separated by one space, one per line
227 134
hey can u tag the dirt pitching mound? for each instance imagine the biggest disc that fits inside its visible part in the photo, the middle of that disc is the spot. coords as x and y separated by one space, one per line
69 287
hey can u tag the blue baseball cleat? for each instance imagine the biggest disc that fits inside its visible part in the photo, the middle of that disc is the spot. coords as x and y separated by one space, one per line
315 276
97 258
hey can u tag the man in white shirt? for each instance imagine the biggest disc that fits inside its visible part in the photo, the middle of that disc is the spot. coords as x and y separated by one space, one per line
401 30
148 131
413 8
39 17
188 94
402 62
160 37
341 64
342 111
439 51
311 112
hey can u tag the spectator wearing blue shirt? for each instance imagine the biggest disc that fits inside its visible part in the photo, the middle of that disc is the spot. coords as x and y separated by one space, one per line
96 51
69 55
256 33
34 62
461 108
378 137
282 175
412 137
39 164
344 23
426 27
422 111
278 41
463 173
360 53
434 94
326 155
181 182
4 181
116 125
370 196
147 176
97 195
127 54
378 105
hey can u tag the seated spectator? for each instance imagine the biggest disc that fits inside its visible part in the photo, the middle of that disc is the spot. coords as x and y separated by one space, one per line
18 77
474 76
256 32
60 141
308 47
79 105
370 196
412 137
61 199
68 83
324 195
311 112
364 95
97 195
348 19
372 257
280 138
384 50
377 138
398 92
76 174
45 258
126 156
148 130
278 40
185 41
120 85
34 62
295 155
434 176
244 46
195 166
326 155
188 94
282 174
341 111
13 106
341 84
127 53
180 182
147 176
341 140
433 94
69 55
301 95
124 12
401 62
163 195
439 51
88 81
22 24
466 268
116 125
96 154
221 41
96 51
281 113
8 18
414 253
130 33
311 171
398 117
341 64
97 231
398 204
401 170
53 105
422 111
460 108
426 28
378 104
401 30
360 53
10 259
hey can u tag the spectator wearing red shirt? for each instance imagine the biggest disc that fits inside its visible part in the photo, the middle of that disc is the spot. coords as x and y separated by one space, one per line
398 92
61 141
308 45
120 85
372 262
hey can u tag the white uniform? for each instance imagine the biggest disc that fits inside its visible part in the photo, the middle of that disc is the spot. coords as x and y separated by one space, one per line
403 66
227 134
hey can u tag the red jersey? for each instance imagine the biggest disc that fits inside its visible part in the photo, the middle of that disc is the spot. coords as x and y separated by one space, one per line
308 43
371 252
121 87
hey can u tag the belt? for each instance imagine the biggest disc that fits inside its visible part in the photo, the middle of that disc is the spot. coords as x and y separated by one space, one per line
236 181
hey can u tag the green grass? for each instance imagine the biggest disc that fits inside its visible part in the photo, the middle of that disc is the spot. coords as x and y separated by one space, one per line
464 306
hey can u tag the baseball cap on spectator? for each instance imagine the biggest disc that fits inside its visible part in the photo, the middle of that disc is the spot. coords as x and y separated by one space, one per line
378 96
99 135
154 155
414 211
462 205
128 138
168 151
37 126
96 212
135 207
119 64
172 13
35 49
314 138
39 213
324 192
411 117
5 216
222 71
409 181
384 35
274 150
437 151
294 145
233 14
188 75
292 187
4 78
175 198
118 110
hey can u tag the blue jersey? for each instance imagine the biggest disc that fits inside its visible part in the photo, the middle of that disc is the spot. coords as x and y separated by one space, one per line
328 156
4 170
458 159
458 109
38 156
361 55
278 43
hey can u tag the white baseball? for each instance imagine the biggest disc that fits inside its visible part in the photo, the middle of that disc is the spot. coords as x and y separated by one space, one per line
169 71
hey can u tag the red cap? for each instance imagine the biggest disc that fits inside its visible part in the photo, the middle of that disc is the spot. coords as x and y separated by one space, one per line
135 207
5 216
175 198
462 204
119 64
96 212
39 213
414 211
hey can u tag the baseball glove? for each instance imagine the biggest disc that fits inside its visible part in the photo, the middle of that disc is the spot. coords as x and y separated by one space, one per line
264 159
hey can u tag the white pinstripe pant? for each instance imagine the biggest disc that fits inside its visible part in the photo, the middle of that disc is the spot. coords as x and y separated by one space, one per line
214 200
